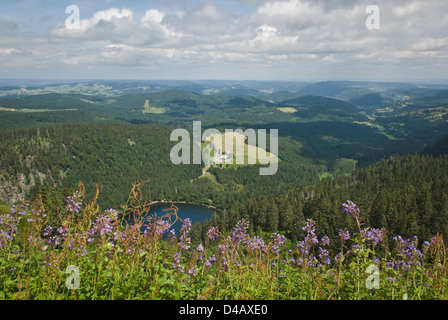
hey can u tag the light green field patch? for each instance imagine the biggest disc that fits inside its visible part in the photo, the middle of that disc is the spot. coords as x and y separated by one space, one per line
325 175
25 110
379 127
148 109
88 101
233 149
287 109
210 91
370 124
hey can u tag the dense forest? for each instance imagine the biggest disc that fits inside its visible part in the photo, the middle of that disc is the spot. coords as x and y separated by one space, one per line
406 195
114 156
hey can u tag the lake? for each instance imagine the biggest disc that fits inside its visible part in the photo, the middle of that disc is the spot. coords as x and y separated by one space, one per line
196 212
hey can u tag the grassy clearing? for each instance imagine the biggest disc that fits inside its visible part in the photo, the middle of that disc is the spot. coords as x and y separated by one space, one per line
148 109
380 128
287 109
25 110
242 153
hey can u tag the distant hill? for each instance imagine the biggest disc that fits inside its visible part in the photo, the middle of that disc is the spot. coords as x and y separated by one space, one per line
52 101
349 90
312 105
378 100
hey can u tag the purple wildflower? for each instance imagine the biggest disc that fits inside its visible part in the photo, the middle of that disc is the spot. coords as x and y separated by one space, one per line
239 232
277 240
47 231
192 272
344 234
325 241
324 256
73 203
212 234
176 264
310 239
161 226
101 226
184 240
351 208
256 243
209 261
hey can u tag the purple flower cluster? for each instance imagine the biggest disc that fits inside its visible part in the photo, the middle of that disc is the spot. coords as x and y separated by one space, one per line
162 226
73 203
240 232
277 240
103 225
256 243
351 209
47 231
192 272
344 234
58 237
19 209
210 260
373 235
212 234
306 248
199 251
409 253
177 265
310 239
184 240
324 256
9 223
8 228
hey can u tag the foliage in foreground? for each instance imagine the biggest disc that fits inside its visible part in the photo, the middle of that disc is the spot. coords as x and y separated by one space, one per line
82 253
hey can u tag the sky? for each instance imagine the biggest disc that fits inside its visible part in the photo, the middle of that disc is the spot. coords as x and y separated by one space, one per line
299 40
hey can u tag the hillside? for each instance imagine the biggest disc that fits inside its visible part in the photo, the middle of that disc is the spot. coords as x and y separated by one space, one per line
320 136
405 195
114 156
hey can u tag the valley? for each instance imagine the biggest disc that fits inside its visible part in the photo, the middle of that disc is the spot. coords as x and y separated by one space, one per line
319 131
106 148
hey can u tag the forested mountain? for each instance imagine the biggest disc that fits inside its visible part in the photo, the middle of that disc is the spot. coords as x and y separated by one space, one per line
114 156
113 135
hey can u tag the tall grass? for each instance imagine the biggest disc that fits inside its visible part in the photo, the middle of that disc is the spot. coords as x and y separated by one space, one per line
82 253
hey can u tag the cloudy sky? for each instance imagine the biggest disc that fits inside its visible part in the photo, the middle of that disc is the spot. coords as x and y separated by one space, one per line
224 39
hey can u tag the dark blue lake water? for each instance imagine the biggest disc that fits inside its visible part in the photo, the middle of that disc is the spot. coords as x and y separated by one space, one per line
196 212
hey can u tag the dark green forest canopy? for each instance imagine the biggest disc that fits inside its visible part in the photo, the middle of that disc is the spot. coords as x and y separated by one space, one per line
407 195
114 156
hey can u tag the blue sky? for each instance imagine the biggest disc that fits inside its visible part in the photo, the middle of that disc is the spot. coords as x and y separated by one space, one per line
306 40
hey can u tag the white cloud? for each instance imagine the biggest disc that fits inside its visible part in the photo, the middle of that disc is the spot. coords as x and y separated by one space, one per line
291 35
